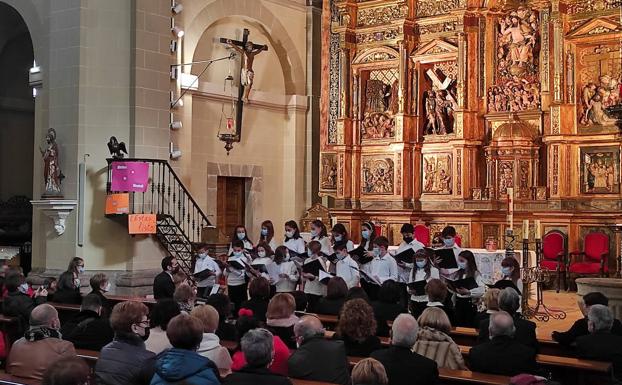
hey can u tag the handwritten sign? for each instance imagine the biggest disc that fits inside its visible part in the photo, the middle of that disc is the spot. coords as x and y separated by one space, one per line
118 203
130 176
141 223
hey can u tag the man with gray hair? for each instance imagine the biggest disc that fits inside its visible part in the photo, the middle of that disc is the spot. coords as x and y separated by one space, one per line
258 349
317 358
40 347
601 344
400 362
502 354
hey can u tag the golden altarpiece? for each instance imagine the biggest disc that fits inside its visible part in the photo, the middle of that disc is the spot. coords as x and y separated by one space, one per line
433 109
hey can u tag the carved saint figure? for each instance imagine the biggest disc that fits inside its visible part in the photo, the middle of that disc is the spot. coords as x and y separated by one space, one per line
52 175
596 98
248 54
430 113
506 178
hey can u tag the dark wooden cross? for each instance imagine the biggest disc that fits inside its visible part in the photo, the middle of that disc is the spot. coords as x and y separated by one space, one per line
247 51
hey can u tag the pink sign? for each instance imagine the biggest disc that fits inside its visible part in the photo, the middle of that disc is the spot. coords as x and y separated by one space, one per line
130 176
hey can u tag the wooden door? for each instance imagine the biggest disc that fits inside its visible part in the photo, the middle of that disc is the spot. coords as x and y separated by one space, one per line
231 203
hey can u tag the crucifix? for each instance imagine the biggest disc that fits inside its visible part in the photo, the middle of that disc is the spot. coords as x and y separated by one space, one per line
247 50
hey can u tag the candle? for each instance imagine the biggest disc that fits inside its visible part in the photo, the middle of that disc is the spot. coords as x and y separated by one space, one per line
526 229
510 221
538 231
510 192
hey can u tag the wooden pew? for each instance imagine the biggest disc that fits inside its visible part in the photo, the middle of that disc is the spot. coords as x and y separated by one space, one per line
7 379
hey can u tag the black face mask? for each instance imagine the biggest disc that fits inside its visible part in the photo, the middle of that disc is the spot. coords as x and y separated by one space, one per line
408 239
146 335
175 270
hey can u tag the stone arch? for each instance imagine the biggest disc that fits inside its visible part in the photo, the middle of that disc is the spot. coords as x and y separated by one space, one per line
376 54
291 64
27 10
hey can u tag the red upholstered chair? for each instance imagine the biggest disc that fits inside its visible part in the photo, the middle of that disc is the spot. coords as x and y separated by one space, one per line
554 255
458 240
594 256
422 234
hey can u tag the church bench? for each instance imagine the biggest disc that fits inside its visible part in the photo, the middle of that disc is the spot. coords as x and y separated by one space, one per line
7 379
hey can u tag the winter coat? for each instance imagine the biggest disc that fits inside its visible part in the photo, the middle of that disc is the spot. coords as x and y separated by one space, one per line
184 366
438 346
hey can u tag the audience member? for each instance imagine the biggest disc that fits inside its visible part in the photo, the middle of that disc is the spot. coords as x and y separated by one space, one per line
579 328
503 354
399 361
525 331
436 290
88 329
50 284
162 313
182 364
336 291
258 349
185 295
210 345
100 286
259 292
221 303
125 360
434 342
387 306
369 372
17 303
40 347
601 344
301 300
281 318
317 358
163 283
357 328
69 284
67 371
357 292
491 302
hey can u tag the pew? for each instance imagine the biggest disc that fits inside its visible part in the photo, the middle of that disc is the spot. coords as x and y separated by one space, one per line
7 379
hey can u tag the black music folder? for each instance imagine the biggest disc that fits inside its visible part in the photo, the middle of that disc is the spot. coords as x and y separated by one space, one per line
406 256
503 283
313 267
447 258
466 283
418 287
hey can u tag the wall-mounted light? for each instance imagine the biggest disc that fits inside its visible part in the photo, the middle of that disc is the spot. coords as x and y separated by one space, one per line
174 72
173 46
174 124
174 154
35 78
177 31
175 101
176 8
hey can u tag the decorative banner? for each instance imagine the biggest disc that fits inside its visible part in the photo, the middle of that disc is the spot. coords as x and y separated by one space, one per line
130 176
141 223
118 203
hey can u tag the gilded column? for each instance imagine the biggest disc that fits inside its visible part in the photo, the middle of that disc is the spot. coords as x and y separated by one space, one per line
544 52
462 69
558 64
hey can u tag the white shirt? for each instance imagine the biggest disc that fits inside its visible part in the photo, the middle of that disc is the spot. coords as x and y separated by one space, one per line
403 274
263 261
315 287
234 276
207 262
384 268
326 246
296 245
419 275
347 269
287 285
247 246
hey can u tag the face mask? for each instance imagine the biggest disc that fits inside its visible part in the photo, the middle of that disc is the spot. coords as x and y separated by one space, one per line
289 234
365 234
107 287
261 254
421 264
286 258
81 269
202 255
310 253
341 257
506 270
241 236
408 239
449 242
377 251
264 232
237 253
314 233
338 238
76 282
145 336
462 265
23 288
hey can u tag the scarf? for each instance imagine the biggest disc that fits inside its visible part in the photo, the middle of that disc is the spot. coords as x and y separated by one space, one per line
41 332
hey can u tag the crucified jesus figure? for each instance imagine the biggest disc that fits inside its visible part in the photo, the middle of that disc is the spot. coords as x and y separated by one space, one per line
248 53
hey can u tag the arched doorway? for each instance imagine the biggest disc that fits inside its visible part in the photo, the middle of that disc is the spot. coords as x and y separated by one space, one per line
17 119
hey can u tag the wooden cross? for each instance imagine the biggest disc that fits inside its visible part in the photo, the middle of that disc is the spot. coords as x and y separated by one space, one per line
247 50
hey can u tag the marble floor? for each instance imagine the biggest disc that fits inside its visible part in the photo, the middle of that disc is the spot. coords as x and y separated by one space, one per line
566 301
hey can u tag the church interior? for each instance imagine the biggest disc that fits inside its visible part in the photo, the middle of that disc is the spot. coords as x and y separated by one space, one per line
138 130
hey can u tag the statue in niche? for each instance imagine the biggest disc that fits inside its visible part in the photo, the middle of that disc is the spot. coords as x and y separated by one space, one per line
329 172
376 96
381 104
506 177
440 102
596 98
378 176
437 174
52 174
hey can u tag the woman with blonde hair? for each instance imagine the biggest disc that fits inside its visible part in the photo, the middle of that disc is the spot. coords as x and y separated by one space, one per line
357 328
434 342
369 372
281 319
210 345
491 304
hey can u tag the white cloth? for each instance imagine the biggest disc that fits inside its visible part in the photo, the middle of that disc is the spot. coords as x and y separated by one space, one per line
157 341
234 276
347 269
403 274
287 285
326 246
296 245
384 268
207 263
210 347
315 287
419 275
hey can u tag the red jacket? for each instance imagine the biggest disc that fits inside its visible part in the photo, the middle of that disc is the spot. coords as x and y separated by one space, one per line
279 366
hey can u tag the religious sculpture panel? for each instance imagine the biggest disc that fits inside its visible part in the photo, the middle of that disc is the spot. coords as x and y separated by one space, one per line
328 179
600 170
506 176
437 173
436 7
381 105
517 85
378 173
440 100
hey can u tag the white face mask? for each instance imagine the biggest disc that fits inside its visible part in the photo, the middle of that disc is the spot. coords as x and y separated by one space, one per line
286 258
309 253
241 236
202 255
377 251
462 265
289 234
261 254
23 288
338 238
237 253
314 233
421 263
107 287
81 269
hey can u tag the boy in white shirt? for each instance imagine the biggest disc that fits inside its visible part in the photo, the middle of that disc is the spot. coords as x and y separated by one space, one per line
206 263
383 267
346 267
404 270
236 277
448 236
313 288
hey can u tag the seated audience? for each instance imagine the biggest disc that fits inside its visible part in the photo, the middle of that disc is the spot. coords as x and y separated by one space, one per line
357 292
436 290
357 328
301 300
579 328
164 283
336 291
88 329
185 296
40 347
258 349
162 313
68 289
503 354
210 345
19 304
387 306
399 361
434 342
259 291
317 358
125 360
182 364
281 318
491 302
369 372
100 286
246 321
67 371
51 285
601 344
221 303
525 331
